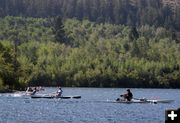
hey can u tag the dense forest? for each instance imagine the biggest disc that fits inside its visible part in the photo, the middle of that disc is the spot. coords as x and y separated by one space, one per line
70 52
127 12
92 43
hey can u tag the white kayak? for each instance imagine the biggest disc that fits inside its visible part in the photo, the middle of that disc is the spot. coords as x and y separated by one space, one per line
143 101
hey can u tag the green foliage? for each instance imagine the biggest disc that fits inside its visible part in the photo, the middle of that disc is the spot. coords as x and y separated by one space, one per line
97 55
8 71
58 30
22 30
127 12
1 84
133 34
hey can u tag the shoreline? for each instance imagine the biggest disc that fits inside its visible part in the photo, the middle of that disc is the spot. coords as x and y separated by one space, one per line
8 91
13 91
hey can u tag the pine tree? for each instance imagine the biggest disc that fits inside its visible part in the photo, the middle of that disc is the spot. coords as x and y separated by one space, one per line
58 29
133 35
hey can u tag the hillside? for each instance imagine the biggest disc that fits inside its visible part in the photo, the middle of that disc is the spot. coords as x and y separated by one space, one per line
33 52
89 43
127 12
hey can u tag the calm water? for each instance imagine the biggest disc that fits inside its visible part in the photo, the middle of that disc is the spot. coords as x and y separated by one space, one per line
93 107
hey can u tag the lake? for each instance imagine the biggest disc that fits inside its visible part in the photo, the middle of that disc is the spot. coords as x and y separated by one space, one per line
93 107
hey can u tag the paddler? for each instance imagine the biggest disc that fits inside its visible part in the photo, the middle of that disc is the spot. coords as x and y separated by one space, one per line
127 96
59 92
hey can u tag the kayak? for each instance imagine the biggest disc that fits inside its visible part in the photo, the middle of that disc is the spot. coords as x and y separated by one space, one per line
143 101
51 97
54 97
128 102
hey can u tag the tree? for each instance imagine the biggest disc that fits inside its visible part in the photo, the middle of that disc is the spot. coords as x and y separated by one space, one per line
133 34
10 66
58 29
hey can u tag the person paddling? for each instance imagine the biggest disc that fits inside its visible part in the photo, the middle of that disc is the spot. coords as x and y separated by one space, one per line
127 96
59 92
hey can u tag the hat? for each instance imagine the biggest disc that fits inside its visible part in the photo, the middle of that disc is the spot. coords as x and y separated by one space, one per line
128 90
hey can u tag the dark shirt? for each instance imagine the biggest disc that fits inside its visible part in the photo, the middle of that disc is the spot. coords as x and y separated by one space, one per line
129 96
